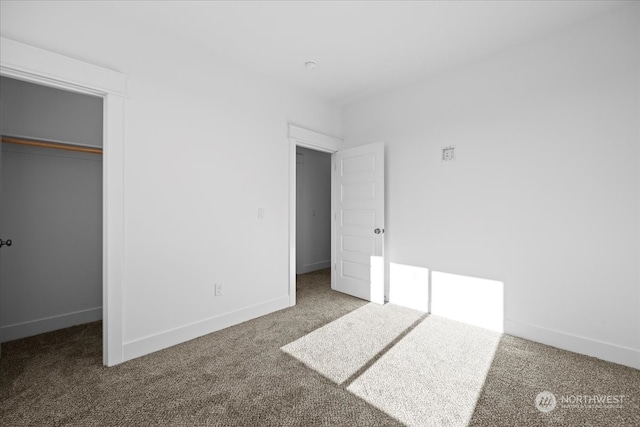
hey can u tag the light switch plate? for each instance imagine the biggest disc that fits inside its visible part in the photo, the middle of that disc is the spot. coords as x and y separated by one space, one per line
448 153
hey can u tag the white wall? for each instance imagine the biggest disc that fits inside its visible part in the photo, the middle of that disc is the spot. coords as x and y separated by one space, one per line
544 194
313 217
191 188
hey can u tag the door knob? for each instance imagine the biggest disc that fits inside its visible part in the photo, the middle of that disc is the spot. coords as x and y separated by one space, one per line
378 231
5 243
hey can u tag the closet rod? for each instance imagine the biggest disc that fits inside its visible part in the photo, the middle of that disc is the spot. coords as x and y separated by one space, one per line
49 144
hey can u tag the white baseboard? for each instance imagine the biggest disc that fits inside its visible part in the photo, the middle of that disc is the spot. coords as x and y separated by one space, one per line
308 268
602 350
162 340
48 324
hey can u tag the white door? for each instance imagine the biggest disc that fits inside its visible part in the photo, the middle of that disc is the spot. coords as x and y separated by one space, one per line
358 207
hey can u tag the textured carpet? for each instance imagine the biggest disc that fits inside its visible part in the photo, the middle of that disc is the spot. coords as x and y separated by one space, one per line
331 360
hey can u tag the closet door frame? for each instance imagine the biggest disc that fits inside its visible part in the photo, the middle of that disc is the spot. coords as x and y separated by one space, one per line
35 65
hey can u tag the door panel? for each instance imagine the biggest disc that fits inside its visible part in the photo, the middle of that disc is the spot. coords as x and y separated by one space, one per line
358 211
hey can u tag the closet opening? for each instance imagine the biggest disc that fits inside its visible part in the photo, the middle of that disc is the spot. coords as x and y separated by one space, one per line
51 194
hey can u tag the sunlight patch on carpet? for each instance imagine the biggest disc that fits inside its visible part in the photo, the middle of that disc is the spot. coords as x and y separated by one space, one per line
341 348
433 376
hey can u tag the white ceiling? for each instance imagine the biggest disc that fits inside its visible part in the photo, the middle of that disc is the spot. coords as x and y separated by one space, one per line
360 46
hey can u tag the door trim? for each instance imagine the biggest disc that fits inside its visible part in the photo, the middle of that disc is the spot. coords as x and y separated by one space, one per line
35 65
300 137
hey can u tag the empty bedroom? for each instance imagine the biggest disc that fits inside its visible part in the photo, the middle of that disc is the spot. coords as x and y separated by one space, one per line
320 213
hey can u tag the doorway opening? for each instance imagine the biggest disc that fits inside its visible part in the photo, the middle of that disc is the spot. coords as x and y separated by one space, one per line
313 210
318 145
357 215
51 194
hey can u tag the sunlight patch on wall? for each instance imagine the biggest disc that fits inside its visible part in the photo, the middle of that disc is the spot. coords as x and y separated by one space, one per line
475 301
409 286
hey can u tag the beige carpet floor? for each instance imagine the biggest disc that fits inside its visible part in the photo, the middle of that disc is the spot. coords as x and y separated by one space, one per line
330 360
